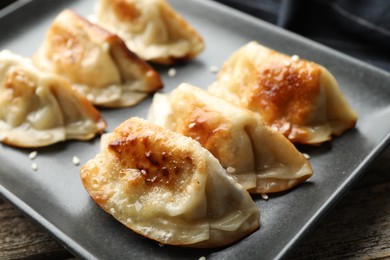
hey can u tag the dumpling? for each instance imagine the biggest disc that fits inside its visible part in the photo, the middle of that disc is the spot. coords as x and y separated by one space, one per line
38 109
96 62
259 158
150 28
300 99
168 188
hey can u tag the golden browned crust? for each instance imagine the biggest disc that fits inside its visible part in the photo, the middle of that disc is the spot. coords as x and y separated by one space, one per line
25 90
296 97
73 45
286 93
203 125
136 147
126 11
130 18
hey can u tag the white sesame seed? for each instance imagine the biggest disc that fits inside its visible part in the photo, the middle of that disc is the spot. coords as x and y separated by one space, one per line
306 155
68 53
106 46
138 206
33 155
75 160
213 69
34 166
172 72
56 57
30 84
202 258
191 125
19 78
295 58
264 196
286 63
230 169
160 245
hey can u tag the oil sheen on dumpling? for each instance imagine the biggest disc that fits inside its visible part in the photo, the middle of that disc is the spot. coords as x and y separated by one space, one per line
96 62
300 99
166 187
150 28
259 158
38 109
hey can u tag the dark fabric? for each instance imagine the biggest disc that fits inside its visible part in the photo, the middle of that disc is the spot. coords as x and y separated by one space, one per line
360 28
4 3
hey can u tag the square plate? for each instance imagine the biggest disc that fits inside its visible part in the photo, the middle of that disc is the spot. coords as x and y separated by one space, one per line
54 196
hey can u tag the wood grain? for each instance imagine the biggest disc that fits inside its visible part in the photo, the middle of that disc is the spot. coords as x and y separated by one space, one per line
20 238
357 228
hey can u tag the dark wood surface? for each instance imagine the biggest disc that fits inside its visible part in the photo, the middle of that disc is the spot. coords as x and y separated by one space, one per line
357 228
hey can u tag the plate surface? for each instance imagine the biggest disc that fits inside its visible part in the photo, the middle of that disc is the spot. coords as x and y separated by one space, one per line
54 197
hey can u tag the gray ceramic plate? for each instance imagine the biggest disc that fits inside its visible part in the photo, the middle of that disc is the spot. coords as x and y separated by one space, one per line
55 198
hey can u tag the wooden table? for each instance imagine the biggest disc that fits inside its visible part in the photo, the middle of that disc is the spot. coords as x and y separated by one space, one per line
357 228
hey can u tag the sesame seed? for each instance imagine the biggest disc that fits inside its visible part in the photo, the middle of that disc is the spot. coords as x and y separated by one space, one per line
213 69
202 258
295 58
106 46
75 160
19 78
191 125
68 54
33 155
138 206
34 166
160 245
69 43
230 169
172 72
56 57
286 63
306 155
264 196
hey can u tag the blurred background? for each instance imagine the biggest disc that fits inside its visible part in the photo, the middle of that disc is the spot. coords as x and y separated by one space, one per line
359 28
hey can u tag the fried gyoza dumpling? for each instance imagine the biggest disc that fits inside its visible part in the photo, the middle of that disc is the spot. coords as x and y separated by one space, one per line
39 109
166 187
96 62
300 99
150 28
259 158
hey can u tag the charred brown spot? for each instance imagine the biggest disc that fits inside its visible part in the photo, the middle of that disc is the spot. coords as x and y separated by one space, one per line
206 126
285 93
66 45
153 157
125 11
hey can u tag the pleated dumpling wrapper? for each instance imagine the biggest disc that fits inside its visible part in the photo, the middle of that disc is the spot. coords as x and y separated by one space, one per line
260 159
167 187
150 28
96 62
38 109
300 99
